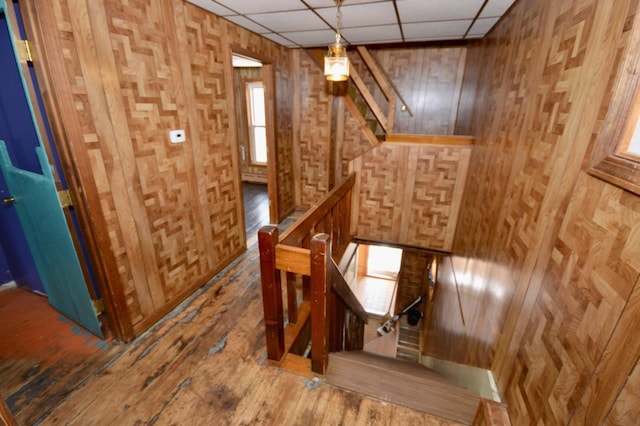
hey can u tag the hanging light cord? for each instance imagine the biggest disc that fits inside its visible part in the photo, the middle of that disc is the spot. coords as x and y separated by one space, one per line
339 21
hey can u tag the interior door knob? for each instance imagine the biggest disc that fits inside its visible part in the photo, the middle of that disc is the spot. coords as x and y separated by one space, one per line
7 201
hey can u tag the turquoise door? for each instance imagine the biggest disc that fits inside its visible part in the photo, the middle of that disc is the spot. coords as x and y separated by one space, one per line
34 196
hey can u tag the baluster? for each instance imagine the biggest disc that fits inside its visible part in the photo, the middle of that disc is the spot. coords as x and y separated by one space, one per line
292 298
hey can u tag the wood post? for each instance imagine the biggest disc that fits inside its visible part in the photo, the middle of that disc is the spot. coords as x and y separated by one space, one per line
271 292
320 290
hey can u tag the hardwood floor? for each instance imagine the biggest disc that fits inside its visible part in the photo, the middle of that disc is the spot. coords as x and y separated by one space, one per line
203 364
256 208
43 355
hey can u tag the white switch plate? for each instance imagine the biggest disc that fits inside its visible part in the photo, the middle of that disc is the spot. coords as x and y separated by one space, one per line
177 136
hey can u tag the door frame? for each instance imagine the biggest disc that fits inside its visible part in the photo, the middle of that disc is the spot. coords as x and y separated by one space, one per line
66 130
268 80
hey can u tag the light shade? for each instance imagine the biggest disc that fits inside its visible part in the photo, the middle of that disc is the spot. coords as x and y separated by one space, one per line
336 63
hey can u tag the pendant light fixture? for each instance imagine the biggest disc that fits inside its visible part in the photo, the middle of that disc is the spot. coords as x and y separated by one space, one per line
336 62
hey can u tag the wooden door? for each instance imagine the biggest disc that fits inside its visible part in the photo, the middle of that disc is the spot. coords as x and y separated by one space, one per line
32 193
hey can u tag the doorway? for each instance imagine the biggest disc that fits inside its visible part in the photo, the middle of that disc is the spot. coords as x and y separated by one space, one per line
254 122
39 251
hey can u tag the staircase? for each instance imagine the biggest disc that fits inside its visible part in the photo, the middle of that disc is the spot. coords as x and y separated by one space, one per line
409 339
403 383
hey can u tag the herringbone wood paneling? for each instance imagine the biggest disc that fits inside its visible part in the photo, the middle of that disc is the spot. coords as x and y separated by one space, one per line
589 278
548 254
410 194
354 142
137 70
315 133
626 410
430 81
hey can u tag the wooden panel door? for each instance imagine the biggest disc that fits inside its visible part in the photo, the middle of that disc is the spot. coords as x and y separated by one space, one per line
33 195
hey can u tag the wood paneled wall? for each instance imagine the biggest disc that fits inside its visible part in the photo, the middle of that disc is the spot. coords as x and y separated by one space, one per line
167 216
547 256
429 79
314 131
410 194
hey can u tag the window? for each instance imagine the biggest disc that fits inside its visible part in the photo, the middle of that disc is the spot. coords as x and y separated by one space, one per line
634 145
256 118
383 262
616 157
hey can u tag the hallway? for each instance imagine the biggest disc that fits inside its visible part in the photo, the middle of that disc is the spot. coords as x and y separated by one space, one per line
203 362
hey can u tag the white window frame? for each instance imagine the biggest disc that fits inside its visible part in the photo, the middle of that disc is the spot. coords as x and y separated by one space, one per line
256 123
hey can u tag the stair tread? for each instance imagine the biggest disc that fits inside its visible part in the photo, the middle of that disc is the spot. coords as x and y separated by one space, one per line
402 382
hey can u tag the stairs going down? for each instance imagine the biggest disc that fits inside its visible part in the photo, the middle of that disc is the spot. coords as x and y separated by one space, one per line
401 382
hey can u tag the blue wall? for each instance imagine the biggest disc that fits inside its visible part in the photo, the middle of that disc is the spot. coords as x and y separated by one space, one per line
18 131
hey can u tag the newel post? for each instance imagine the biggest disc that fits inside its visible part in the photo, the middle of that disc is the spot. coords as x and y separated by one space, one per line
320 291
271 292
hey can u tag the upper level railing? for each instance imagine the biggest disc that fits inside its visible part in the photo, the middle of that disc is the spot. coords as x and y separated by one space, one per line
329 316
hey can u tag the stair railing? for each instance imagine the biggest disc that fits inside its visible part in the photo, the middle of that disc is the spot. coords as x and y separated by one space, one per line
306 253
388 89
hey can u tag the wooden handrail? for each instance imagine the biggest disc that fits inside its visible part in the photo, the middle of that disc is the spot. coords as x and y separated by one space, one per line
298 231
381 77
369 99
337 317
341 287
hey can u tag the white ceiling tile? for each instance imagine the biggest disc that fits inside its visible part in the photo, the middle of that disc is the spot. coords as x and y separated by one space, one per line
381 13
279 39
496 8
482 26
436 30
312 38
298 20
262 6
213 7
248 24
437 10
330 3
368 35
304 23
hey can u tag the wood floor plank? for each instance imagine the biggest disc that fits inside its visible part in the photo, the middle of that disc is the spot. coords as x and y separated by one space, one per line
204 364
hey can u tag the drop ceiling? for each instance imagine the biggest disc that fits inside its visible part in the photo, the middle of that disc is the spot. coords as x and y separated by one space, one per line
312 23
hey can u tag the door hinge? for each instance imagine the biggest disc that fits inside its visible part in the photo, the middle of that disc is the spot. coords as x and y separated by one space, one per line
98 306
65 198
25 50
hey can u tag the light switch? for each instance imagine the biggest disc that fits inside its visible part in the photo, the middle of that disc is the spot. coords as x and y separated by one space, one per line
177 136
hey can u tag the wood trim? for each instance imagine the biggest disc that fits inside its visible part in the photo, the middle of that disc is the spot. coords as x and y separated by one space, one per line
609 161
295 111
491 413
268 79
618 171
400 138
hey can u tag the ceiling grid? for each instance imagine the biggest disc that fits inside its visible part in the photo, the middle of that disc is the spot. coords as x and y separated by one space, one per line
311 23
